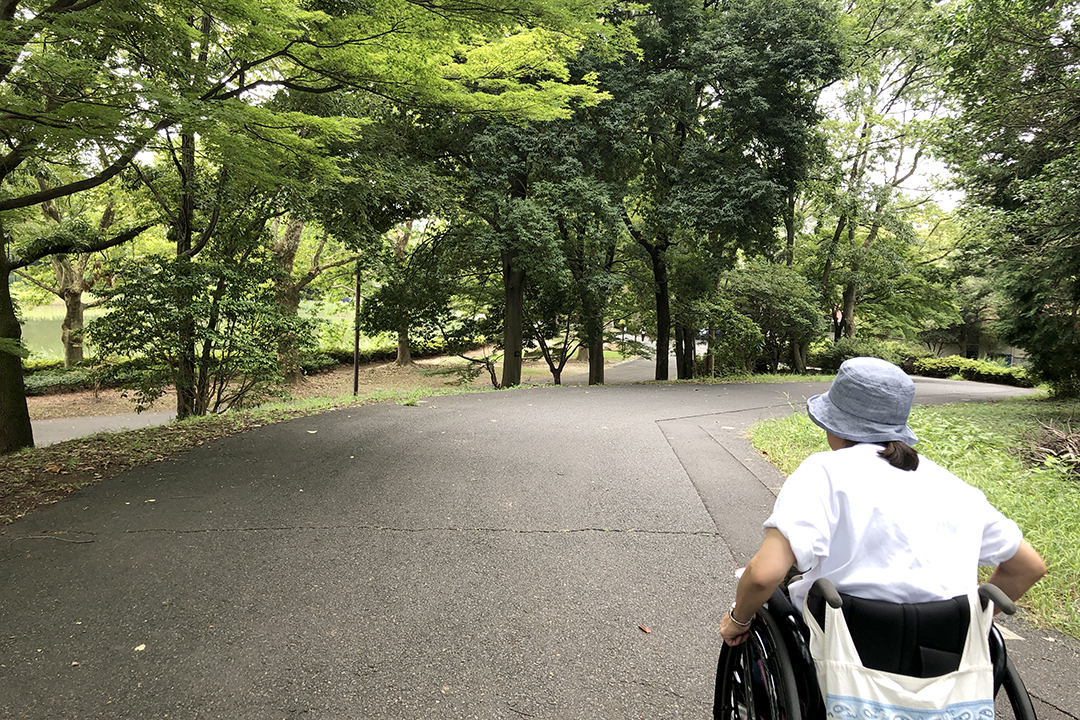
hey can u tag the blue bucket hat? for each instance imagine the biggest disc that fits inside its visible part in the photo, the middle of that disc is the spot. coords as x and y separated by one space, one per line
869 401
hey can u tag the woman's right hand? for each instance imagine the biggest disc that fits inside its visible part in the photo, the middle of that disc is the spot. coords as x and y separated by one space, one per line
733 633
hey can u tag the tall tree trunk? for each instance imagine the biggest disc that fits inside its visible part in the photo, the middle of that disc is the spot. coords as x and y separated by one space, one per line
404 353
657 255
847 313
685 352
789 230
288 354
401 254
592 309
16 432
285 248
689 352
71 280
833 244
71 327
663 312
513 334
596 361
798 356
851 291
679 349
186 390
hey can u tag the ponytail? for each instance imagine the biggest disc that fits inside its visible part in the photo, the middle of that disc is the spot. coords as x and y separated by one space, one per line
900 455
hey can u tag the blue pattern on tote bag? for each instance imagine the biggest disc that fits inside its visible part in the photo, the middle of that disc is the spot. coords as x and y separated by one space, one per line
840 707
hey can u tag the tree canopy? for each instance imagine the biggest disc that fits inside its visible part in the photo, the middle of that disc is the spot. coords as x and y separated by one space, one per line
1013 70
89 84
528 175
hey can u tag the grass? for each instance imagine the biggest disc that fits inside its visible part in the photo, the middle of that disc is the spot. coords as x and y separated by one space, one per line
988 445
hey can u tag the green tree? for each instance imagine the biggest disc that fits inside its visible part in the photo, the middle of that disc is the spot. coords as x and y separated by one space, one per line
14 415
781 303
1012 66
113 76
85 218
881 127
719 110
235 316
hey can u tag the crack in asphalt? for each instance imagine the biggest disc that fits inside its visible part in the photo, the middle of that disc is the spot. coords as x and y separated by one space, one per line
378 528
388 528
1046 702
733 411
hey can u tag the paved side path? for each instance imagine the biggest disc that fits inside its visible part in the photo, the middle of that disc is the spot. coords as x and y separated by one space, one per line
548 553
49 432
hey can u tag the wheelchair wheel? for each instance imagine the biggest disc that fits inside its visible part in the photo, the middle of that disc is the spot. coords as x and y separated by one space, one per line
756 680
1015 697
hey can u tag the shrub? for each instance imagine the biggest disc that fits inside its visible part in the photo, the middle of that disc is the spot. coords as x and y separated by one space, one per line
737 343
45 382
382 350
313 363
53 378
976 370
829 355
35 366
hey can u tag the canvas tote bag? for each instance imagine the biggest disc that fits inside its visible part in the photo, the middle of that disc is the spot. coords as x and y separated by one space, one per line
854 692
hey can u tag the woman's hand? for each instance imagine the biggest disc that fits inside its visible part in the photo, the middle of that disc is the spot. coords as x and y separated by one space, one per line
733 633
764 573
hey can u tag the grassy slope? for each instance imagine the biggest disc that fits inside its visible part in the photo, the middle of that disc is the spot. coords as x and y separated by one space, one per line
983 444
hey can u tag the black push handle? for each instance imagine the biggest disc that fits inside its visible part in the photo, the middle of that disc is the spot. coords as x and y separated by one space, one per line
827 590
994 594
987 593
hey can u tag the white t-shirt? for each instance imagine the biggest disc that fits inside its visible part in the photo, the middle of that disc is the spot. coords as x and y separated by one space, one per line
883 533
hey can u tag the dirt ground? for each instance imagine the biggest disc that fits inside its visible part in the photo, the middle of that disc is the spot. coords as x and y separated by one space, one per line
429 373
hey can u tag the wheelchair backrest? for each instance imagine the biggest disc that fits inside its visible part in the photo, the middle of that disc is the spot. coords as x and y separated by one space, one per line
916 639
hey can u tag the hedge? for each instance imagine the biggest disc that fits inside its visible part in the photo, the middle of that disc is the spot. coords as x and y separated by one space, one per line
829 355
976 370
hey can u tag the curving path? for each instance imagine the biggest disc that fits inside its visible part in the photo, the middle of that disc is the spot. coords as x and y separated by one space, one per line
497 555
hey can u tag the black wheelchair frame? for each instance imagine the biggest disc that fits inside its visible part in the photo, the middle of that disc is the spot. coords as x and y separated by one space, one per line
771 676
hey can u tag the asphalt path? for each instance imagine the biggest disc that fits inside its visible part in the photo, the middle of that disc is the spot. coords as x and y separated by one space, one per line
535 553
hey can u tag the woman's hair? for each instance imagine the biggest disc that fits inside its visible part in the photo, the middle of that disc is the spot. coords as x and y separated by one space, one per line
900 455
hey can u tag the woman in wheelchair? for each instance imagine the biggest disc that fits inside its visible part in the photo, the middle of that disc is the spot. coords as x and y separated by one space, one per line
898 536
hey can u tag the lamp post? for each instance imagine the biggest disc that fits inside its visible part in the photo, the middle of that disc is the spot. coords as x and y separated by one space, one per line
356 336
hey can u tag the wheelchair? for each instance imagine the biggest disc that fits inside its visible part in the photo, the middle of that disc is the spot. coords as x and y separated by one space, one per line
771 676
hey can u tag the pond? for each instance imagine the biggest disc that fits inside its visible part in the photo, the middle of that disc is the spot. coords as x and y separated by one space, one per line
41 336
41 330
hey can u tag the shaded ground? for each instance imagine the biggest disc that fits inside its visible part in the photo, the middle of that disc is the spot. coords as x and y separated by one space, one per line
72 456
433 373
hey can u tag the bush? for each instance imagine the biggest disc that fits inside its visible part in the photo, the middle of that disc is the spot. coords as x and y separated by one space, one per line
35 366
975 370
829 355
53 379
739 343
384 351
313 363
46 382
